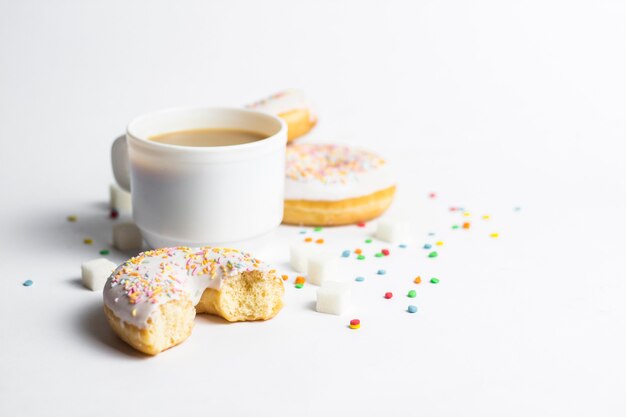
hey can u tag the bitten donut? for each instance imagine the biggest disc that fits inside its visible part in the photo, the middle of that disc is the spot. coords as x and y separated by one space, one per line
331 185
151 300
293 107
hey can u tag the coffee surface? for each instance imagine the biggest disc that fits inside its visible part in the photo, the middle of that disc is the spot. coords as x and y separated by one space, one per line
208 137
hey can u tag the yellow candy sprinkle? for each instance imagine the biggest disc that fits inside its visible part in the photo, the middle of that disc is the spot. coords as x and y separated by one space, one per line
486 217
72 218
466 214
494 235
87 241
440 243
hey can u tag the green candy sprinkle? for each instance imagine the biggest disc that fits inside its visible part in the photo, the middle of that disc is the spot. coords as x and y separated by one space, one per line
360 257
299 285
433 254
434 280
456 226
104 252
317 229
378 255
411 294
368 240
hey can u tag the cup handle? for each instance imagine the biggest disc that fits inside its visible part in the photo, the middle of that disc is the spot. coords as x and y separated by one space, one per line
120 162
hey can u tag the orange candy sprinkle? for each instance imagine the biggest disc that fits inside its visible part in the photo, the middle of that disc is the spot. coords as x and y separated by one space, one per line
308 239
417 280
285 277
319 241
466 225
300 280
358 251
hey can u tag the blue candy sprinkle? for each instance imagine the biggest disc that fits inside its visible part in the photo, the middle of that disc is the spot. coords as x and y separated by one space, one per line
345 253
381 272
302 232
428 246
517 208
402 246
27 283
431 234
359 279
412 309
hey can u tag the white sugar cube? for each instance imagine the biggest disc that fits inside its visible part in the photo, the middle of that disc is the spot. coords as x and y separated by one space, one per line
299 256
393 230
96 272
120 199
333 297
322 267
127 236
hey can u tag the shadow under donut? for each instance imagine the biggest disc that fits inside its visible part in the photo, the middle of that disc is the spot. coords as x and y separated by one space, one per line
93 323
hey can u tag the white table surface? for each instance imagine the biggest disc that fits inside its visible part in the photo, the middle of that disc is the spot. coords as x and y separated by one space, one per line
492 105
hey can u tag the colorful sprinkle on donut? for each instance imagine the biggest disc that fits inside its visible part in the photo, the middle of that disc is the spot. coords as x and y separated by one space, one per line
164 284
329 164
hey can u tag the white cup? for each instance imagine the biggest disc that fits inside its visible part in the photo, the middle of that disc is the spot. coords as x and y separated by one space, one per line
196 196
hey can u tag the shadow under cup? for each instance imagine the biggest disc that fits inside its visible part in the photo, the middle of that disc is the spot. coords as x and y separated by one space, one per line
196 196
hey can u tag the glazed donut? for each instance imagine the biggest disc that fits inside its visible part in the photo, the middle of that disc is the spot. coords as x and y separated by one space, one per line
151 300
291 106
332 185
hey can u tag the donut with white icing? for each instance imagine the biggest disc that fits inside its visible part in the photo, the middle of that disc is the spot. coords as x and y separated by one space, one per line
151 300
331 185
293 107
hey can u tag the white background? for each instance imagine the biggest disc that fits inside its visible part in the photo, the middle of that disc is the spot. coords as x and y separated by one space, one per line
490 104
